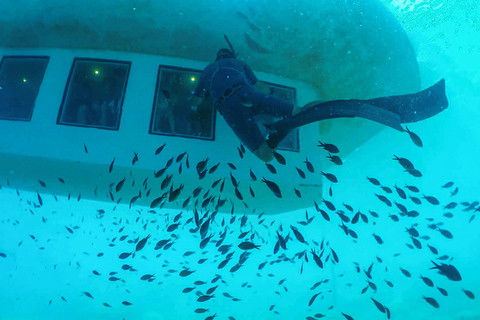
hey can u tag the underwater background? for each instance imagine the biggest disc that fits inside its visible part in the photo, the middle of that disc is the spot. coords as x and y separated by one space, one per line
62 259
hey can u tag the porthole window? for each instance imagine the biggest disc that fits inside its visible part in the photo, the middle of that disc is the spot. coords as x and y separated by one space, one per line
94 94
172 114
20 79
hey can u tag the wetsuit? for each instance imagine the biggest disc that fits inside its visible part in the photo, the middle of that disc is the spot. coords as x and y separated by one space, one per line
231 82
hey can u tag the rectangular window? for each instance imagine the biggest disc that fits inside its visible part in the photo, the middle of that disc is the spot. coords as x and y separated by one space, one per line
172 114
20 79
94 93
291 141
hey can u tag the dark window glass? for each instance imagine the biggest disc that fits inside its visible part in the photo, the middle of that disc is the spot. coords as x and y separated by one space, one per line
172 114
291 141
20 79
94 93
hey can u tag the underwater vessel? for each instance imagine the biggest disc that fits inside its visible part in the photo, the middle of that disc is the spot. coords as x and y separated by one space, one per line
87 118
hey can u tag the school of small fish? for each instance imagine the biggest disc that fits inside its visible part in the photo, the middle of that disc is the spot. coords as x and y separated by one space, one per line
226 242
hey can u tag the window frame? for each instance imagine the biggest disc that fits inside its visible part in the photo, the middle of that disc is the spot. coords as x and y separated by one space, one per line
47 58
157 88
67 85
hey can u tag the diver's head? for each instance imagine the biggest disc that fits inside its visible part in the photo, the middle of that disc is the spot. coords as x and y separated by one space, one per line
224 54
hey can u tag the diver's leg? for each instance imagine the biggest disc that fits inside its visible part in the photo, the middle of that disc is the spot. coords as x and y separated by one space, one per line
240 119
263 103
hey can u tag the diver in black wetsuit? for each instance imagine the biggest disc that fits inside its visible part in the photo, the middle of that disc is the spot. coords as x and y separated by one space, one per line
238 97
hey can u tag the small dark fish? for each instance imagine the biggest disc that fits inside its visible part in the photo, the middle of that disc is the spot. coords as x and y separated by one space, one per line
42 183
202 165
386 189
431 199
40 201
427 281
454 192
280 159
301 173
312 299
111 166
299 195
384 200
443 291
205 298
400 192
135 158
126 303
119 185
329 205
141 244
252 176
448 270
200 310
405 163
185 273
451 205
251 191
415 138
469 294
448 185
240 153
273 187
432 302
246 245
447 234
85 148
297 234
324 215
159 149
347 316
412 188
232 166
69 230
125 255
433 249
378 239
414 172
271 168
332 178
87 294
374 181
415 200
180 156
406 273
335 159
328 147
379 306
309 165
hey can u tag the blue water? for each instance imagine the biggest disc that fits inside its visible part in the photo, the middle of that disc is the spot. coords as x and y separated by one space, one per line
47 269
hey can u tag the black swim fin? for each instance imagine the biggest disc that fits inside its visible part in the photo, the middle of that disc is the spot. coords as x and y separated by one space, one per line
390 111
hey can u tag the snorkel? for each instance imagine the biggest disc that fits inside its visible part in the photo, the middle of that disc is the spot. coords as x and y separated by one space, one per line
230 45
226 53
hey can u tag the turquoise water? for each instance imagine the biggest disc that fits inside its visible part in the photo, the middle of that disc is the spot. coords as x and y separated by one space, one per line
50 252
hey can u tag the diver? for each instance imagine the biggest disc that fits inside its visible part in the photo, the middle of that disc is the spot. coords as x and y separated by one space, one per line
239 96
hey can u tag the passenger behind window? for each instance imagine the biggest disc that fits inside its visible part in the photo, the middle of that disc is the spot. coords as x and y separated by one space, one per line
164 117
103 109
